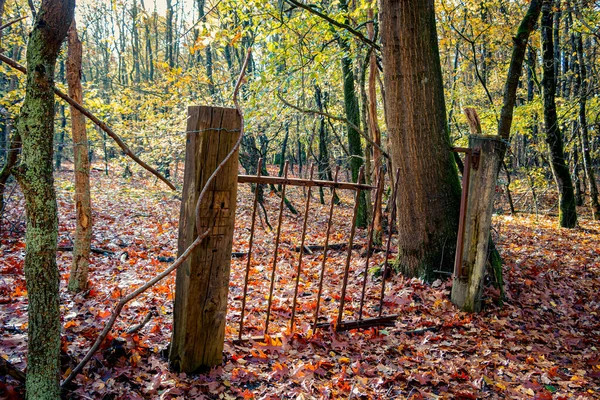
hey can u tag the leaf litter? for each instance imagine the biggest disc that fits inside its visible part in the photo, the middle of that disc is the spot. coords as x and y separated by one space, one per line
543 343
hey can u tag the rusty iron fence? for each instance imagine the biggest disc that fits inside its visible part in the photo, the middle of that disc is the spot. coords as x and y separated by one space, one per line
337 320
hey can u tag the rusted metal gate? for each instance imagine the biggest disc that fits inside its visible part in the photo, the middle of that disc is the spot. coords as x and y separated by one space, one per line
338 320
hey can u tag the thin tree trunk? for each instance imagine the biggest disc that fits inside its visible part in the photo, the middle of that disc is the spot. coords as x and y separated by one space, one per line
135 51
36 126
376 135
78 279
323 167
11 161
576 168
352 115
556 34
567 209
169 36
583 125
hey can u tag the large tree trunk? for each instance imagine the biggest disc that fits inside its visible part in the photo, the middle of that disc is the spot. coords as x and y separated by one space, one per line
83 225
567 211
429 197
36 126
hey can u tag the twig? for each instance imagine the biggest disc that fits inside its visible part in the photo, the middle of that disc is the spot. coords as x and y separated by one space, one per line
344 120
93 250
180 260
96 121
332 21
6 25
139 326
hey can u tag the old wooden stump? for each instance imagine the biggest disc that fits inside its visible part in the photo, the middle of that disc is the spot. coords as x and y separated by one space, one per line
469 272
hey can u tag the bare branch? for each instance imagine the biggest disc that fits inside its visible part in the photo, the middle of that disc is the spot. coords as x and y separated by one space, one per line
6 25
119 307
344 120
332 21
95 120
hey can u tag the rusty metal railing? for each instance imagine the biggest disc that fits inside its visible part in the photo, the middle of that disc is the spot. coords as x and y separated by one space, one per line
335 185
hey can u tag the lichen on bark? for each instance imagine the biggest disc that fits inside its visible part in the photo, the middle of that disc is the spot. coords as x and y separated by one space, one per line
34 172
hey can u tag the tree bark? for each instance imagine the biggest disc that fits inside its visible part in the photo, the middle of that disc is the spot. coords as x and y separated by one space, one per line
562 177
429 197
78 279
36 126
585 141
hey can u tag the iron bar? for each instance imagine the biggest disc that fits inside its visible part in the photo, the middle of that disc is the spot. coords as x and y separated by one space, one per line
250 242
277 180
389 241
369 247
326 248
349 254
299 269
281 204
388 320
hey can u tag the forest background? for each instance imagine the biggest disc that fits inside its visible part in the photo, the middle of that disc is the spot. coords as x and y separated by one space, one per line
143 64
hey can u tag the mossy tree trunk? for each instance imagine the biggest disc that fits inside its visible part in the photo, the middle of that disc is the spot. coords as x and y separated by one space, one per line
36 126
429 193
78 279
567 210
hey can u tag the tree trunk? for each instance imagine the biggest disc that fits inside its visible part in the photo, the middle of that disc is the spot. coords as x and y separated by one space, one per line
36 126
429 196
567 210
323 167
169 36
585 141
352 115
11 161
376 136
78 279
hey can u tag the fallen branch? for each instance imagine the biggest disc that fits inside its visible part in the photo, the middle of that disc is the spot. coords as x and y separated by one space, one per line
335 246
95 120
180 260
7 369
119 307
93 250
139 326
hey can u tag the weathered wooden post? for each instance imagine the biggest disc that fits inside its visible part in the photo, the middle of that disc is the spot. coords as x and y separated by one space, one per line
202 282
469 272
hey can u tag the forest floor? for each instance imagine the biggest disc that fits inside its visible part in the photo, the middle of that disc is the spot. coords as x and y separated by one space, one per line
542 343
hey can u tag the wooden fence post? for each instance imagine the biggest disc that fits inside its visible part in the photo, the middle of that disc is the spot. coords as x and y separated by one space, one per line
202 282
467 288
